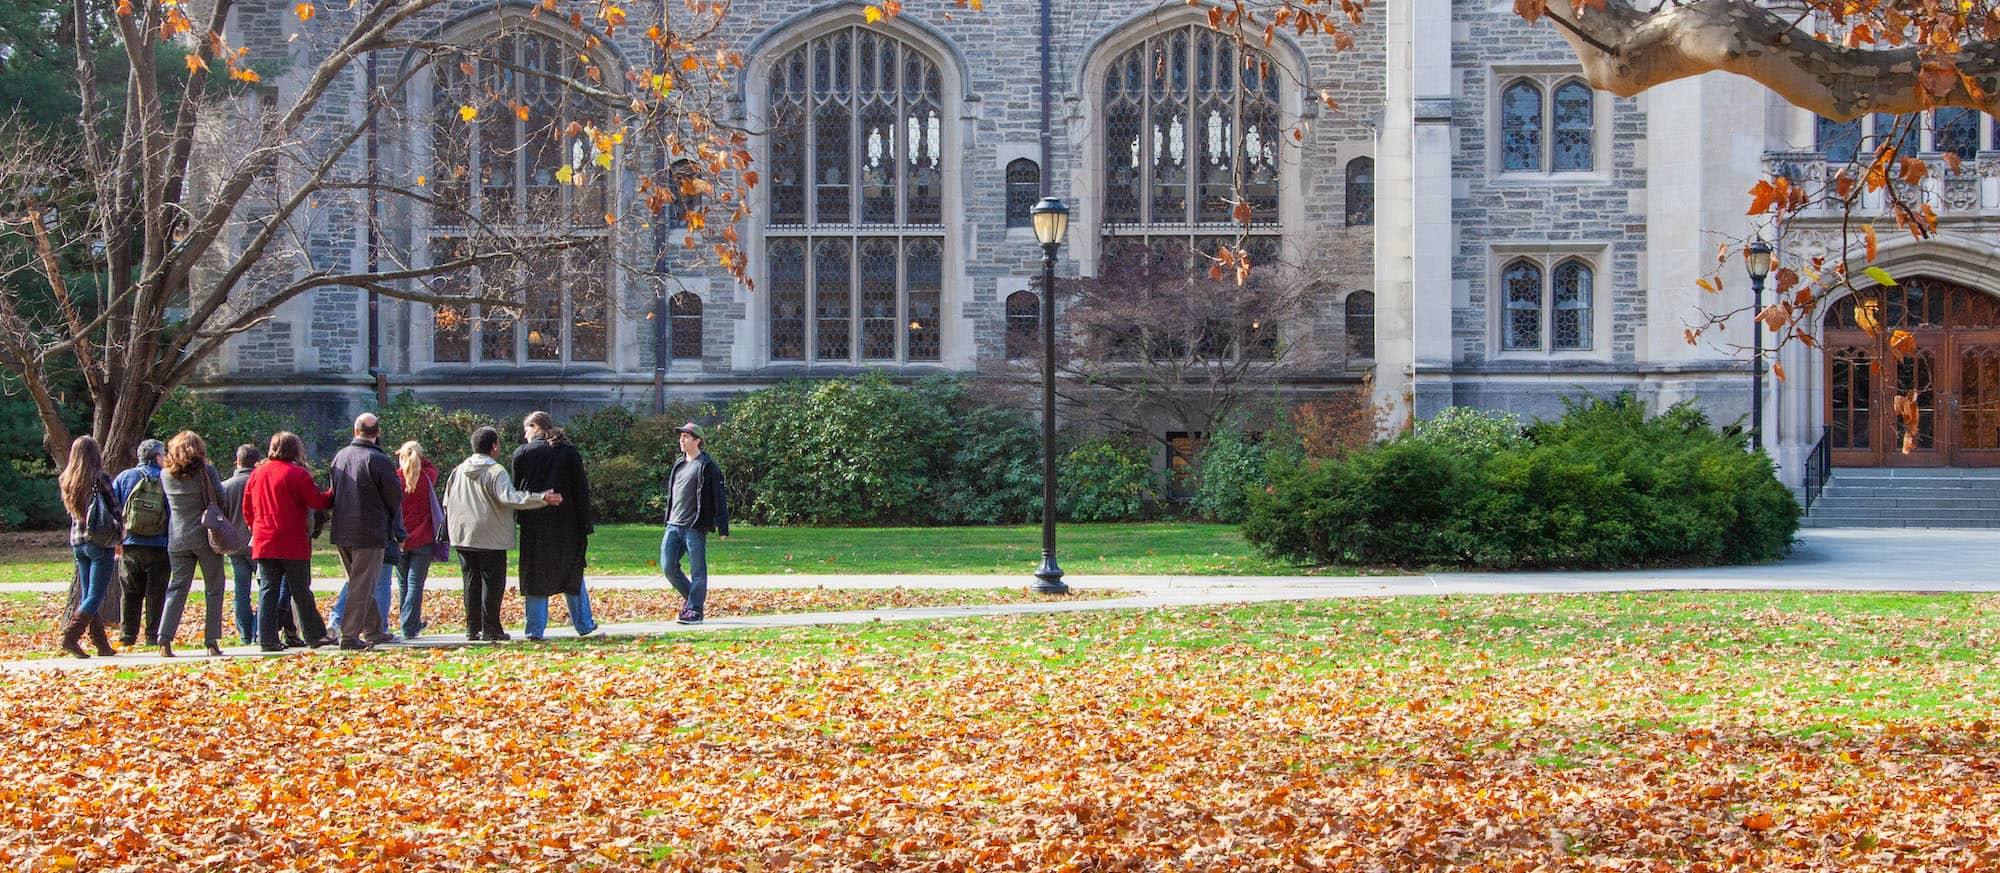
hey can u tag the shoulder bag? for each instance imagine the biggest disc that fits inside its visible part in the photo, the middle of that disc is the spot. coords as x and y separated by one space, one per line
224 535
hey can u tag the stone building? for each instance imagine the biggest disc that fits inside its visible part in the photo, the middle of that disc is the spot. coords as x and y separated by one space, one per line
1483 227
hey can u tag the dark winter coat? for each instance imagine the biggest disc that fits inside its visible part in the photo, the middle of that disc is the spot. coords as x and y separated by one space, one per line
712 514
554 539
367 497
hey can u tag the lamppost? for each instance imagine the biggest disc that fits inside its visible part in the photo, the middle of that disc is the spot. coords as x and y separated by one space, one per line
1051 221
1757 260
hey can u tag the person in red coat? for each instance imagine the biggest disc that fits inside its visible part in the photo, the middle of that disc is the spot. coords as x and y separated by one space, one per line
421 514
278 503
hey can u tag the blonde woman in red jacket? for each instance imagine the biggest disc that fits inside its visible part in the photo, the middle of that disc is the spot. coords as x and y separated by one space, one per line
278 503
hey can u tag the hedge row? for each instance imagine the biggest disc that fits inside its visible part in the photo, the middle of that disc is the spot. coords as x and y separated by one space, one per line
1603 487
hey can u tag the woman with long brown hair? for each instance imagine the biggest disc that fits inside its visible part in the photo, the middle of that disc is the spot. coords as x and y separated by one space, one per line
278 503
94 532
191 485
554 539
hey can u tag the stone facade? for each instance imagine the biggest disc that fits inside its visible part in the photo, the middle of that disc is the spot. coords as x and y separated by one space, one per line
1420 94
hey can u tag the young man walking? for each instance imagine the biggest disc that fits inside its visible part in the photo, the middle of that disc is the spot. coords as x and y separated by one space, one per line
479 505
697 504
367 515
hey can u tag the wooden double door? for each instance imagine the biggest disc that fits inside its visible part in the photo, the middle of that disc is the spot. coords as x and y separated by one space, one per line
1952 376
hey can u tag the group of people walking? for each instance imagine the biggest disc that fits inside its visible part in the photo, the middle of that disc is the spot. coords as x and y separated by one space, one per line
173 514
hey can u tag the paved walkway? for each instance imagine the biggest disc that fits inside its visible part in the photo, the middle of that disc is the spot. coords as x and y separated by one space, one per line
1847 560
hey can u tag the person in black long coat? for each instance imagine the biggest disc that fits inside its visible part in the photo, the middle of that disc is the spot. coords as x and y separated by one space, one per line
554 539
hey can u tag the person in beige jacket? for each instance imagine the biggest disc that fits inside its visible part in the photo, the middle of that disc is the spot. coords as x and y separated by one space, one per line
479 505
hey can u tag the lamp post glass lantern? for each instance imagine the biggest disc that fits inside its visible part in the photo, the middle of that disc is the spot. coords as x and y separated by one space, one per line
1757 258
1051 220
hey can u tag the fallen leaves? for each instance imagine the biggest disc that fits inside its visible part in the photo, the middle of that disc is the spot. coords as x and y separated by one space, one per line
1640 732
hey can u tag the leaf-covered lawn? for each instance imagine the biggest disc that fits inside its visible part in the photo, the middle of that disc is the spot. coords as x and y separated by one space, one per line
634 550
1678 732
28 620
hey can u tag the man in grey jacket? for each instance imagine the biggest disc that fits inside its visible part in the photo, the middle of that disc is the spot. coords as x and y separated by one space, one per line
367 514
479 505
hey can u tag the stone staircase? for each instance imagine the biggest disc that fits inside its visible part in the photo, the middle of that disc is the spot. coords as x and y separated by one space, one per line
1905 497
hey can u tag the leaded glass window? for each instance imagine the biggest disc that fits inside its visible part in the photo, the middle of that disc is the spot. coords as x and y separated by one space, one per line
1024 324
1521 289
1548 308
1548 123
856 159
1839 141
498 171
1190 128
1360 192
1360 324
686 325
1024 189
1955 130
1904 129
1569 329
1521 126
1571 149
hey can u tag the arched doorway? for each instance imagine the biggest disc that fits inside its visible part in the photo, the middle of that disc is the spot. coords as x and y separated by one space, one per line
1953 376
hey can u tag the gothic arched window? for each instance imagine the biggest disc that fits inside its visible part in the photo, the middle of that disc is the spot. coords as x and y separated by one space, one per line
1360 192
498 170
1190 129
1548 123
1521 126
1955 129
1360 323
1024 189
686 309
1521 289
855 232
1024 322
1570 317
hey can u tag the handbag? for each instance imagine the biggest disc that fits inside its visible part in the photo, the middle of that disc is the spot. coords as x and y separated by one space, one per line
225 535
101 526
440 538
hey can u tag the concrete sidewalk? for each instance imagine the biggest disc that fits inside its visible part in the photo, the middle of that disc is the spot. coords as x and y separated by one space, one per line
1844 560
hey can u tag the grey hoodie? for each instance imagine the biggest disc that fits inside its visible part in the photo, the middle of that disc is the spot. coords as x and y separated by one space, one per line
479 505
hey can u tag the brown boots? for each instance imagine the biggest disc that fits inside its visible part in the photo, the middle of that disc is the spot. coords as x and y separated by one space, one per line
98 638
73 632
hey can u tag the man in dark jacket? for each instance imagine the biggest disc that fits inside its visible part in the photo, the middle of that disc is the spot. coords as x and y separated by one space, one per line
367 514
696 504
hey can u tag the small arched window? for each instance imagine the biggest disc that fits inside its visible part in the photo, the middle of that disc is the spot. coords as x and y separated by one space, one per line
1360 192
1521 289
1521 126
1570 316
1839 141
1024 322
686 326
1360 324
1024 188
1570 150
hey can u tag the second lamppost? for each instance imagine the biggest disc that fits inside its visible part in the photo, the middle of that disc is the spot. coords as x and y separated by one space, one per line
1051 221
1757 261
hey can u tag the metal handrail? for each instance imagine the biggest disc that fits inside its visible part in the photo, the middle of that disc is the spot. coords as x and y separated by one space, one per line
1819 465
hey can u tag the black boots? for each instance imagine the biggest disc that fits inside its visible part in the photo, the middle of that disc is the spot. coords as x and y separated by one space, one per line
73 632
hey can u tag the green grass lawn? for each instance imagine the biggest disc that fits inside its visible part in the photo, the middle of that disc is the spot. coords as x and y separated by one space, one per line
1674 731
634 550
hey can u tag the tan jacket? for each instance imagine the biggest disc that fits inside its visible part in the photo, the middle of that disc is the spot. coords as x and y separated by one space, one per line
479 504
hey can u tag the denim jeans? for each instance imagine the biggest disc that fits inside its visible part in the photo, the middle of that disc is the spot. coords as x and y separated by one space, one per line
412 570
694 544
383 581
579 613
95 567
245 575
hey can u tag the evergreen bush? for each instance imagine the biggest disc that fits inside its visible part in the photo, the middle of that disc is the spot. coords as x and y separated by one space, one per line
1603 487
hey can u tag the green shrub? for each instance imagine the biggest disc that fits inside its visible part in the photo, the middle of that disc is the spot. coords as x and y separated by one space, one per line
446 435
28 497
624 488
1106 479
1231 466
1604 487
839 451
996 471
221 426
1470 431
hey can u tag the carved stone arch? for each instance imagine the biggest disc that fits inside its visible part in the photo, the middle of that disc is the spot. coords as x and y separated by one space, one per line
1114 40
801 26
488 17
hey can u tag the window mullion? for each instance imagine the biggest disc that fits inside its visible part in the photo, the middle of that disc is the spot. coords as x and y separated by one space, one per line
902 300
1191 166
898 138
1146 148
1548 306
855 213
810 313
1548 130
856 336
